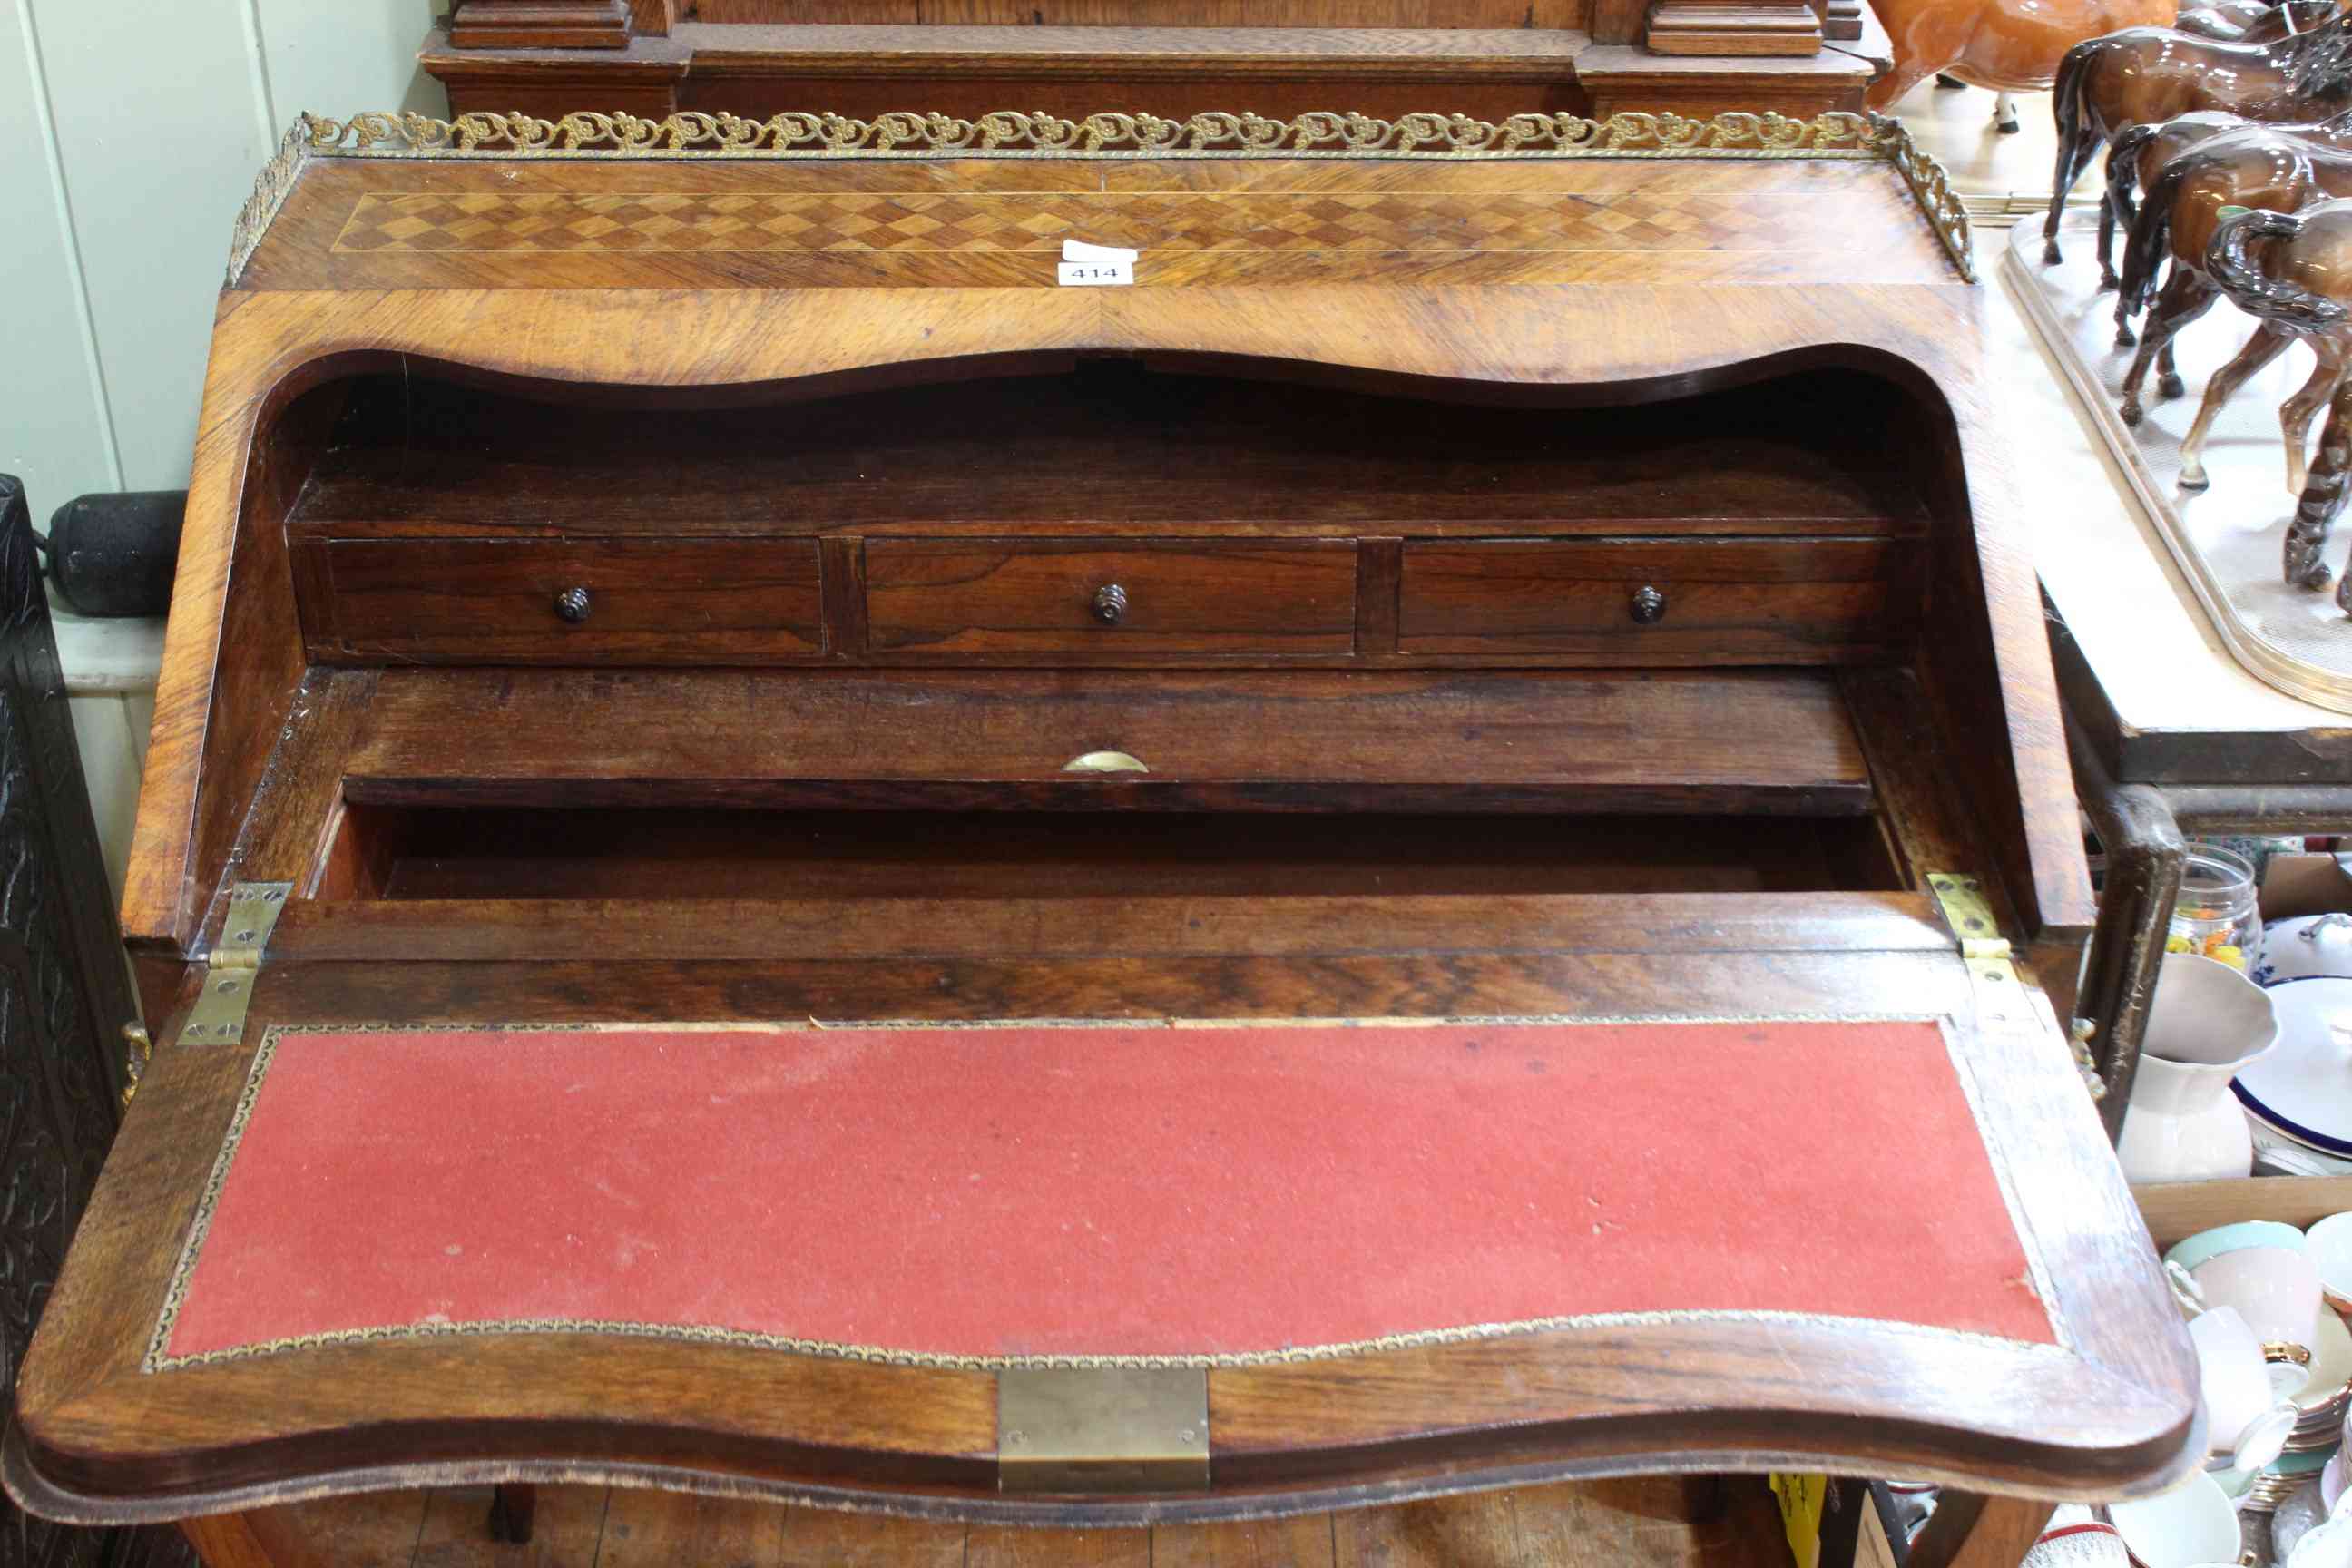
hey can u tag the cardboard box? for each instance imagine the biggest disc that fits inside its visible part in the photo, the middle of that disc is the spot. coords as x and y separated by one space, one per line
2304 885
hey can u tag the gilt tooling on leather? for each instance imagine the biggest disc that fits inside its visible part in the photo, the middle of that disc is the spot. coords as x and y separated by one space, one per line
995 1192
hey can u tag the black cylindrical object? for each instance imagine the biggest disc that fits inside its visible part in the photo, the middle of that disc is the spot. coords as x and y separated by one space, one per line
113 553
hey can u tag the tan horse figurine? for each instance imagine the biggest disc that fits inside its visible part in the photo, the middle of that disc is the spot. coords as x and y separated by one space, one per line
2296 415
2230 21
2008 46
2293 272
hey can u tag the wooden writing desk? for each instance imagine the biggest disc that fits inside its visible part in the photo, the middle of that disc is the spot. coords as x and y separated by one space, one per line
1572 724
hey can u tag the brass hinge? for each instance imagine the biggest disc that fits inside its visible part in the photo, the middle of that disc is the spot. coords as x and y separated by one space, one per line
218 1016
1102 1429
1962 901
1992 971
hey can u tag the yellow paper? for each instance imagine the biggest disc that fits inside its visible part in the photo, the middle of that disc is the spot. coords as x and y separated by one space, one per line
1802 1500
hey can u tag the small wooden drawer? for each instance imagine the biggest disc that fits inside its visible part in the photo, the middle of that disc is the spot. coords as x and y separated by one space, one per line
1740 600
490 601
1095 599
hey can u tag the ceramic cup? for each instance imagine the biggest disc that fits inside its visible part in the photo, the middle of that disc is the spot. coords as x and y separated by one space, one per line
2259 1268
2205 1022
2329 1245
2247 1424
2190 1526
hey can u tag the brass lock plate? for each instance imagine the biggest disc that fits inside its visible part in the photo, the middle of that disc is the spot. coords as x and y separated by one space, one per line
1102 1429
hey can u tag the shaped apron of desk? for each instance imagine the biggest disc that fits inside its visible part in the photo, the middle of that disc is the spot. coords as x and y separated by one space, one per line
782 857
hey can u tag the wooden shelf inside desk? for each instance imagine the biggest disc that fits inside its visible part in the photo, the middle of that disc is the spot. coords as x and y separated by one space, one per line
1775 741
1034 447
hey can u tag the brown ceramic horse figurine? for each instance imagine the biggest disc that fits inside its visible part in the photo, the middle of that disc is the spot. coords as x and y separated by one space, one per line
2146 75
2293 271
2253 21
2008 46
2134 159
2156 147
2137 153
2261 167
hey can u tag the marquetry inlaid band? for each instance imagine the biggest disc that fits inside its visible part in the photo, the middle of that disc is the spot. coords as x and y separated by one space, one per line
314 1218
1386 223
1012 134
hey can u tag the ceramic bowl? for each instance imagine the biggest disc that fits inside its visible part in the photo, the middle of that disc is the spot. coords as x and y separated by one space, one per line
2277 1154
2306 946
2258 1267
2302 1086
2190 1526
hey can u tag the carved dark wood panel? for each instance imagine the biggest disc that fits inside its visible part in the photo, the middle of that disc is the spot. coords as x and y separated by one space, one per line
64 998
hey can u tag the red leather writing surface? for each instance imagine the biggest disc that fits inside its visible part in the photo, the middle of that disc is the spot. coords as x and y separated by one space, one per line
1030 1190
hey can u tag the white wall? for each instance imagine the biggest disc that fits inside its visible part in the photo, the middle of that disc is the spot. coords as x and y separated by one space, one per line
130 134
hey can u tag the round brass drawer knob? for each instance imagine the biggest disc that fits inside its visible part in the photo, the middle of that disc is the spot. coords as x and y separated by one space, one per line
1648 606
572 604
1110 604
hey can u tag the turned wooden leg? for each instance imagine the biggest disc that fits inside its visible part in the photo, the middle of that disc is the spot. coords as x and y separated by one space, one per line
227 1541
1971 1531
513 1506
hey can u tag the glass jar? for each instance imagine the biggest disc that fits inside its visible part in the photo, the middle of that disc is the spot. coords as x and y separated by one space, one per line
2216 915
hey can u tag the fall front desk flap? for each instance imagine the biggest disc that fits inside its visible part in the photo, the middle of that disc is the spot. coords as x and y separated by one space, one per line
998 1194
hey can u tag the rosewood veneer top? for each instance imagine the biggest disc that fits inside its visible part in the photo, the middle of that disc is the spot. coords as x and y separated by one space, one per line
613 222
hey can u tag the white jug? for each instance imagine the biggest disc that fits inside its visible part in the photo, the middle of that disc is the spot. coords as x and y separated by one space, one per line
2206 1022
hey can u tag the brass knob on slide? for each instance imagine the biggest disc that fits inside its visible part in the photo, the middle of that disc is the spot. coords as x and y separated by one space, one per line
1110 604
139 1050
1648 606
1104 763
572 605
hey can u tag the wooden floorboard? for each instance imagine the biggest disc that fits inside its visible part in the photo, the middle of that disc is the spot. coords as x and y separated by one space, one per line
1652 1522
